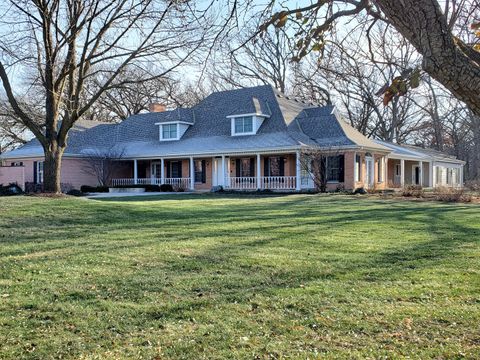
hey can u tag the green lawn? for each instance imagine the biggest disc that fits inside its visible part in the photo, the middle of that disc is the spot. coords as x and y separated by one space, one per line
204 276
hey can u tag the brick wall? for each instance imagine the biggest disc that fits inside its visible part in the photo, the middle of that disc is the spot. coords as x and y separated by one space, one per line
12 174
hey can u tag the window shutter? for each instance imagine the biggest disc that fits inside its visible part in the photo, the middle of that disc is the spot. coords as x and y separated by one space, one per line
266 168
204 172
341 170
35 172
282 166
237 167
167 164
179 167
252 166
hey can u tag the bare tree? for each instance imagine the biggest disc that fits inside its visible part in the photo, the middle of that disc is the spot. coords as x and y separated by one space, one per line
440 35
103 163
63 43
314 162
263 61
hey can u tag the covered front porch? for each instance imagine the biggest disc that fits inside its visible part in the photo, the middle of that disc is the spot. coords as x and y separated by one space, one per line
427 173
272 171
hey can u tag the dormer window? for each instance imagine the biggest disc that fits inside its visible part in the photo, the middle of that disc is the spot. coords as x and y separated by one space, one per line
169 132
246 124
243 125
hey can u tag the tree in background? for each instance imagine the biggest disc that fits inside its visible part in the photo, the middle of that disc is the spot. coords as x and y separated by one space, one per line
54 48
103 163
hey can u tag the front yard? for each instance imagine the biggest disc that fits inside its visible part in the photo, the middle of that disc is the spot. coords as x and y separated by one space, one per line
211 276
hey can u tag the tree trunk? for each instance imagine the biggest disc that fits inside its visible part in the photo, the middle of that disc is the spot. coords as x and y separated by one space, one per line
449 62
474 172
52 169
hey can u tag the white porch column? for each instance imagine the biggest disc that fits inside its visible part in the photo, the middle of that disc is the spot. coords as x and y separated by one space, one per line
222 179
298 173
460 182
192 174
402 173
162 171
135 171
385 164
259 184
421 173
430 174
434 175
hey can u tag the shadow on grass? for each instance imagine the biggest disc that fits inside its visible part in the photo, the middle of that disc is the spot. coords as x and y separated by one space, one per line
240 230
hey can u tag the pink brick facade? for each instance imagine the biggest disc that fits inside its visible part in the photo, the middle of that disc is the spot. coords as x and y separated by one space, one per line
12 174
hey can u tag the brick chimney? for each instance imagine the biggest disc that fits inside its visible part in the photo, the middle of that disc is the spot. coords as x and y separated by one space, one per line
155 107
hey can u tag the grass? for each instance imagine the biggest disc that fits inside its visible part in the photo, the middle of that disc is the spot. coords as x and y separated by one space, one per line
210 276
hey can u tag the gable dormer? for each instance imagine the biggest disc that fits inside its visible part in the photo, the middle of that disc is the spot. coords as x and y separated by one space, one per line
248 121
174 124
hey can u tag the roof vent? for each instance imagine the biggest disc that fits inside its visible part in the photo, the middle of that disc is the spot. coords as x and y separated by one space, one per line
156 107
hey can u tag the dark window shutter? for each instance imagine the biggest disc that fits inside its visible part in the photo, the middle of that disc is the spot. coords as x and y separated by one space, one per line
179 168
252 167
282 166
266 166
167 164
341 171
204 172
35 172
237 167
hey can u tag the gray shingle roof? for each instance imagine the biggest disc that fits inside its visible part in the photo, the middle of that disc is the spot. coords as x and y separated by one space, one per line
291 124
417 153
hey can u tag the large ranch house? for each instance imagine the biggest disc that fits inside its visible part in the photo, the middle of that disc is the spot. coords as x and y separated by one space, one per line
245 139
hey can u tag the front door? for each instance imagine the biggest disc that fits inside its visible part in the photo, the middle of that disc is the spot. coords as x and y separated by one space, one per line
370 172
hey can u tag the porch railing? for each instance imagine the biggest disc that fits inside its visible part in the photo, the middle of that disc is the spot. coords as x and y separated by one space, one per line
178 182
266 182
175 182
278 182
241 183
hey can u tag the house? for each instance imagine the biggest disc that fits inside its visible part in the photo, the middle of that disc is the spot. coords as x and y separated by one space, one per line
245 139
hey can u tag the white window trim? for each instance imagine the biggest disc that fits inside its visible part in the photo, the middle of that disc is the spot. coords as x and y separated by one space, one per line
41 178
246 115
234 133
169 139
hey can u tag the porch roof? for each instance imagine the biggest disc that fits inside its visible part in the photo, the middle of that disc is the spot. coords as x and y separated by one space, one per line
410 152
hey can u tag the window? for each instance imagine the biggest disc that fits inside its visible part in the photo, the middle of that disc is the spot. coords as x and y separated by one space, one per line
17 163
333 168
200 171
449 176
276 166
380 170
40 172
245 168
169 132
398 169
358 161
175 168
243 125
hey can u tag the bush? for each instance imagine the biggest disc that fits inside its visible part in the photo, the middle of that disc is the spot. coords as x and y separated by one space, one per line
166 188
75 192
451 195
152 188
31 187
413 191
473 185
93 189
10 190
360 191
